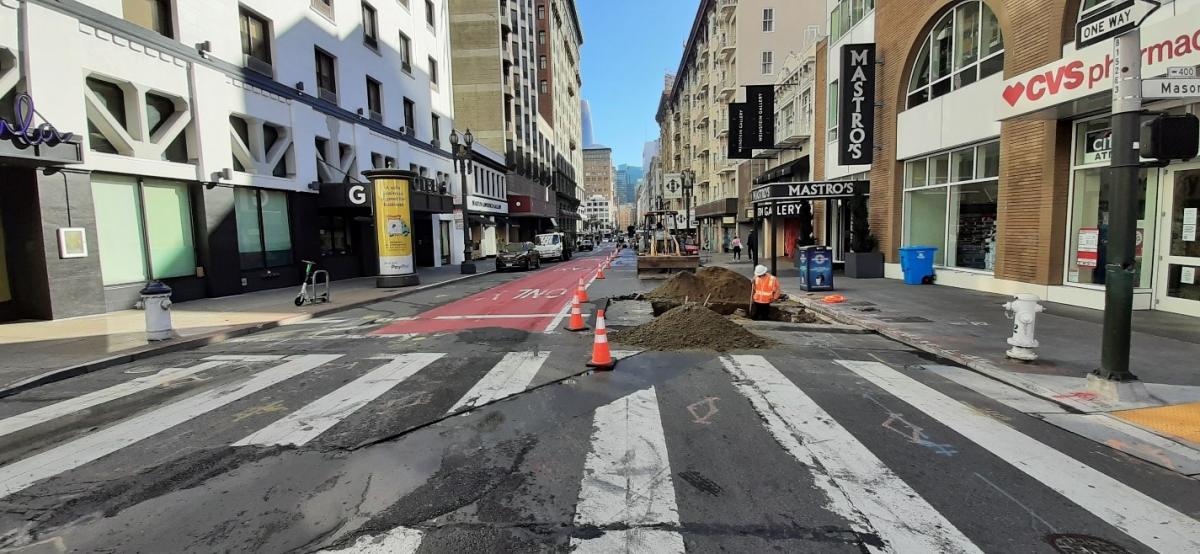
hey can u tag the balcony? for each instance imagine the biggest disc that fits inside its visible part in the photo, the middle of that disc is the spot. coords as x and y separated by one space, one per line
795 132
727 7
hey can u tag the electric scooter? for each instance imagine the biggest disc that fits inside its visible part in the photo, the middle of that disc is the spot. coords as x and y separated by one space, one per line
313 291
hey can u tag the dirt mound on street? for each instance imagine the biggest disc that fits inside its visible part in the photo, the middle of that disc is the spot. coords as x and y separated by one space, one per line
690 327
714 284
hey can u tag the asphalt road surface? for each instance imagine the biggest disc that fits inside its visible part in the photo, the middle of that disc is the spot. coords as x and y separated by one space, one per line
460 419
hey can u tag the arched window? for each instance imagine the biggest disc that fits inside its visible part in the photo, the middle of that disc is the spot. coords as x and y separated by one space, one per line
964 46
1088 5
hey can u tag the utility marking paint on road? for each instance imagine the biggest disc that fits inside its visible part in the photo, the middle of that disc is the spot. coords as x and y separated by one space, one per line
857 484
627 480
1000 392
20 475
710 409
914 434
400 540
510 376
1147 520
95 398
308 422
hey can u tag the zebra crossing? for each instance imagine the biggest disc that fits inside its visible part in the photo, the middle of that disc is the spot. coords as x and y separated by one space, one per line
628 493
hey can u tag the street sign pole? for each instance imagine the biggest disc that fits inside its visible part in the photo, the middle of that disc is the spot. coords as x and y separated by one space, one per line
1121 268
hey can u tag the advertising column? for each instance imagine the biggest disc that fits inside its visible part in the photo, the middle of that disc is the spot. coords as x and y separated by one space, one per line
393 227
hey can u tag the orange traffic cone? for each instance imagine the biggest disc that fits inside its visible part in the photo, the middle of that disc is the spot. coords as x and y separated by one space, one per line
576 323
601 356
581 291
600 272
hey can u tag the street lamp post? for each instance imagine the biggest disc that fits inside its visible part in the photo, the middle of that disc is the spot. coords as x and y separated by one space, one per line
689 180
462 162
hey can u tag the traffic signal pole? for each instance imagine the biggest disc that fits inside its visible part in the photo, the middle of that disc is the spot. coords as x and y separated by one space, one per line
1120 271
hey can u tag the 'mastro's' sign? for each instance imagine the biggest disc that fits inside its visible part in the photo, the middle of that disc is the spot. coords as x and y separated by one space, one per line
1171 42
22 130
856 122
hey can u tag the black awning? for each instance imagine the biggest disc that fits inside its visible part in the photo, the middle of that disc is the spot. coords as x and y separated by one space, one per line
795 170
344 195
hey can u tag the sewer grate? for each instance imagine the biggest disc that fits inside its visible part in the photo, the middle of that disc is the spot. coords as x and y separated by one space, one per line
1083 544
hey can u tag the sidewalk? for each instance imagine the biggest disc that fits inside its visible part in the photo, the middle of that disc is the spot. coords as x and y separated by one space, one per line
38 352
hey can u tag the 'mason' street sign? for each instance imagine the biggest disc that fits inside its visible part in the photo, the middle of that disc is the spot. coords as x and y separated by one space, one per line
1113 21
1171 88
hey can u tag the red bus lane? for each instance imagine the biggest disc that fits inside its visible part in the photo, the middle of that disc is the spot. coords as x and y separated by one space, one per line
530 303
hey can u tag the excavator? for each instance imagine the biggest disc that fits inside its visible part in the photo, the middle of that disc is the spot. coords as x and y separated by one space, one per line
660 253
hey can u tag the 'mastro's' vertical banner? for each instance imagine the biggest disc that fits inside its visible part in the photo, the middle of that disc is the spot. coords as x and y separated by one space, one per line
761 99
856 122
393 226
739 132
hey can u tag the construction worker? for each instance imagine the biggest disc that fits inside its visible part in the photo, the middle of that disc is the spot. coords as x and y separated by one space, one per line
766 291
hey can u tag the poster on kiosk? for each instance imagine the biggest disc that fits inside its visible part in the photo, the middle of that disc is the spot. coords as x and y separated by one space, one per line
392 195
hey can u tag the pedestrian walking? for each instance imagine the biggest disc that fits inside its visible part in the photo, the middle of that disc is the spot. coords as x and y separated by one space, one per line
752 246
737 248
766 291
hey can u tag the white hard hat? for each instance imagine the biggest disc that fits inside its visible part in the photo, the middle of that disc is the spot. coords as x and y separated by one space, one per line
760 270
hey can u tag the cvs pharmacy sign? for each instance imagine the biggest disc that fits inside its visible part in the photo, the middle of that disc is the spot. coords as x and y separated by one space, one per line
1171 42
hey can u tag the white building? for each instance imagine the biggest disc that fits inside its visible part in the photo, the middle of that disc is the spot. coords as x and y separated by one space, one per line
598 213
208 128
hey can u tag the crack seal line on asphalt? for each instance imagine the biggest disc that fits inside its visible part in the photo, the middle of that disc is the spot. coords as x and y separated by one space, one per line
448 415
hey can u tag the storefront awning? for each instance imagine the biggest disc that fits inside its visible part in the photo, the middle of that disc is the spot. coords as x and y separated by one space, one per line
811 190
791 171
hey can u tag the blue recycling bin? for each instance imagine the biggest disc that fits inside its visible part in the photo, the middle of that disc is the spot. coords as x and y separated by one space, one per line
917 264
816 268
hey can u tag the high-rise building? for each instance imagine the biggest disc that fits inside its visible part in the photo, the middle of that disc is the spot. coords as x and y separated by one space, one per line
559 38
627 177
588 138
732 44
598 178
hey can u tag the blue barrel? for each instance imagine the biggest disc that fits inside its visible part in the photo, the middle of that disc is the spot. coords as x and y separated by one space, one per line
917 264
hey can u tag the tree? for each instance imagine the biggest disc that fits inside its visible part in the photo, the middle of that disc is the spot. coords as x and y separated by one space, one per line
861 238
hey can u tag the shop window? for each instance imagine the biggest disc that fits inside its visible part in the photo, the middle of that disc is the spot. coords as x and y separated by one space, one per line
951 202
964 46
336 235
264 233
144 228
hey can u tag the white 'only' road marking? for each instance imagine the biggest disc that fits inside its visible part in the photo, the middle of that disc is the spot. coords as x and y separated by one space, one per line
308 422
1147 520
857 484
21 474
627 480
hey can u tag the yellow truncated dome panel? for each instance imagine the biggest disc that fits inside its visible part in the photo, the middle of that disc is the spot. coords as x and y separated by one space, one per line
1180 421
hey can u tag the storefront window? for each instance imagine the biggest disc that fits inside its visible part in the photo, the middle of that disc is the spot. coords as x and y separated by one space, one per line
335 236
128 214
264 233
951 202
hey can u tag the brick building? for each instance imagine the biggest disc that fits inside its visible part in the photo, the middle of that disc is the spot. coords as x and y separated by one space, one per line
991 143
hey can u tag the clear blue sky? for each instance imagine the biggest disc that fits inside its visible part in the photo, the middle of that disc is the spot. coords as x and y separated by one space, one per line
627 47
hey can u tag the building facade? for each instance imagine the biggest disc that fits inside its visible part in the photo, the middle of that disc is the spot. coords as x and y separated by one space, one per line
559 39
599 177
627 177
997 155
732 44
217 144
598 212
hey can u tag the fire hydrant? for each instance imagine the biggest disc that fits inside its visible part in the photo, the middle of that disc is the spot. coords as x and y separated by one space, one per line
156 302
1023 310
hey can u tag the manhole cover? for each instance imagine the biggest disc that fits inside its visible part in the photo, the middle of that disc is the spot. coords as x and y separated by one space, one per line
1083 544
906 319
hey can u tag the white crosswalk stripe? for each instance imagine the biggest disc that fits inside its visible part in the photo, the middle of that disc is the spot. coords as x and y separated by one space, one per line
857 484
510 376
54 411
400 540
317 417
21 474
1147 520
627 480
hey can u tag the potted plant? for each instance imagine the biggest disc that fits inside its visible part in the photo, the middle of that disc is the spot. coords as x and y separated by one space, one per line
862 262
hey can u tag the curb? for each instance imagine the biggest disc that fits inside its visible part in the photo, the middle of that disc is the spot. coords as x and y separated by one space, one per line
214 337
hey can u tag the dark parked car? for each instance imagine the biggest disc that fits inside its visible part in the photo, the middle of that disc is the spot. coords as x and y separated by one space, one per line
520 254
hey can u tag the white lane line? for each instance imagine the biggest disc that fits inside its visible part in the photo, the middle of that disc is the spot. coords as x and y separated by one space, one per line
21 474
1147 520
308 422
627 479
493 316
400 540
857 484
245 357
1000 392
95 398
552 327
510 376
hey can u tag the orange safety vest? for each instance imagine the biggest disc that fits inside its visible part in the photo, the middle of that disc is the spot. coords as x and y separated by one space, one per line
766 289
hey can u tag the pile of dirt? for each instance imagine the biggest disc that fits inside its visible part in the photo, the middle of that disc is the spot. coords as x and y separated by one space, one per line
711 284
690 327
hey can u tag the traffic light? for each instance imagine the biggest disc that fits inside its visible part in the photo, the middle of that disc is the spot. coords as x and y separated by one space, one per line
1171 137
